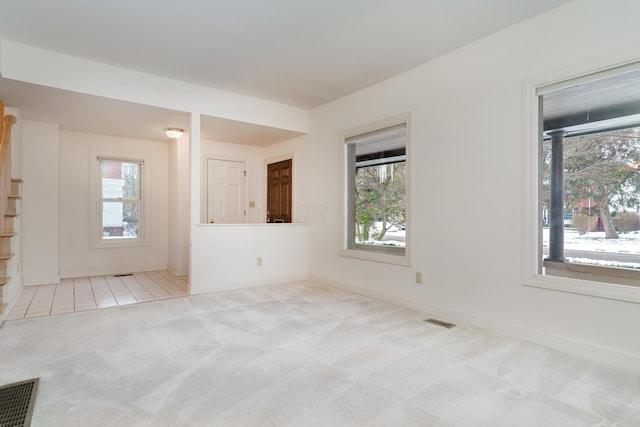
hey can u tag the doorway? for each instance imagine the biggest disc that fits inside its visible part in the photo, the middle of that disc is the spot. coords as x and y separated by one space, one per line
279 180
225 191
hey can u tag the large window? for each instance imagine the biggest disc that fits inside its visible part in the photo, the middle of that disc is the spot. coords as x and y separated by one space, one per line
377 188
120 204
589 178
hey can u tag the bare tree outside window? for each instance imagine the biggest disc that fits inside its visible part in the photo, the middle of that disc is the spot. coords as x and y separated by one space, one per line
601 179
380 201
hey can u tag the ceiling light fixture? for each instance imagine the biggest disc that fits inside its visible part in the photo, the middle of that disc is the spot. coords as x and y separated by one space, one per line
174 133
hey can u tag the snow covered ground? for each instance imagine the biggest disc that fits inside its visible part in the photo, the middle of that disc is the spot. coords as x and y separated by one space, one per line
393 237
594 241
628 243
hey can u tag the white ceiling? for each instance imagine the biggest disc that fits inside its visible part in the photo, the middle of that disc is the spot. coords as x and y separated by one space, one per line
298 52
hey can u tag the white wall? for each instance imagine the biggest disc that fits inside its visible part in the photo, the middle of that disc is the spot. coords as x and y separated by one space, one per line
292 149
77 257
253 157
39 208
224 256
179 201
468 150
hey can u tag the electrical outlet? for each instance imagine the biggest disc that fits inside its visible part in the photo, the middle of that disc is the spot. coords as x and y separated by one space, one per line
259 261
418 277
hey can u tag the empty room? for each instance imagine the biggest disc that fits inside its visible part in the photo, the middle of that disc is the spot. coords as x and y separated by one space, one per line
305 213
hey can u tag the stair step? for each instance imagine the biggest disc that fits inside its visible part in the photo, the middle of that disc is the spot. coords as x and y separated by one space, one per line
14 192
5 247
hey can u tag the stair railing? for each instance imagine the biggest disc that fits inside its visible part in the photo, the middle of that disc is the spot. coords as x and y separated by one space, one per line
5 162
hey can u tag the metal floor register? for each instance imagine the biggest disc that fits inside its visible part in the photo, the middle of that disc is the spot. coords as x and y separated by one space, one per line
16 403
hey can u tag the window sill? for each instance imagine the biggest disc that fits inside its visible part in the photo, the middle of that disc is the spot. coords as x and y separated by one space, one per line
385 256
382 249
596 273
602 282
118 243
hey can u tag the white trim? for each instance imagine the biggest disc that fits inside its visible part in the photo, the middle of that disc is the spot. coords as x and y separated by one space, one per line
107 271
343 250
565 344
588 77
586 287
589 68
279 158
531 232
246 284
173 269
53 279
367 255
11 300
119 159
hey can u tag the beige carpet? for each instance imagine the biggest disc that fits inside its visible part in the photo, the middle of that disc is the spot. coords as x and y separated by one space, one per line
299 355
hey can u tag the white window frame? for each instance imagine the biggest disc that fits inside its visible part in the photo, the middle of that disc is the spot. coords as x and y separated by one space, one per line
531 167
95 181
368 253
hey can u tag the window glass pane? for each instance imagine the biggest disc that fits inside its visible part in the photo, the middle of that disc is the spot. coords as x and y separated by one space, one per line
380 204
120 180
120 220
601 198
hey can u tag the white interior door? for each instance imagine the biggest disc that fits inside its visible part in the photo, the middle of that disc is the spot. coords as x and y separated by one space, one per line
225 192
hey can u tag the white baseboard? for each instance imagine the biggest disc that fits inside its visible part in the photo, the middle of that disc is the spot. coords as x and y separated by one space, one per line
203 289
177 271
53 279
106 271
627 361
13 291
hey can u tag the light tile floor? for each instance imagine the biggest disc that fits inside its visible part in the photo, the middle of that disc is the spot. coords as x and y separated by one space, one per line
91 293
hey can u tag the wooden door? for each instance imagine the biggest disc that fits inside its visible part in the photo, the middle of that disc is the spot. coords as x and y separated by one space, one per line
225 192
279 176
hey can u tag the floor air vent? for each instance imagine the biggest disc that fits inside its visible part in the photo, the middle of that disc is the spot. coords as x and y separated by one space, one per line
440 323
16 403
123 275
